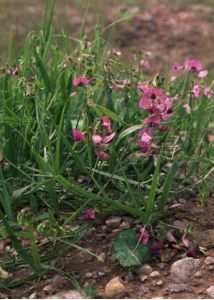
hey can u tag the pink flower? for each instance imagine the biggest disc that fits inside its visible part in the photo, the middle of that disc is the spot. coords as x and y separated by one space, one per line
107 124
153 120
146 134
145 139
208 93
170 237
96 139
193 65
177 67
143 235
102 155
145 63
153 100
196 91
142 86
89 215
203 73
156 247
78 135
80 81
107 139
15 71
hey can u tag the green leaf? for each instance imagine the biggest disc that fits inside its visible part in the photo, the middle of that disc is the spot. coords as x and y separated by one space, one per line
129 252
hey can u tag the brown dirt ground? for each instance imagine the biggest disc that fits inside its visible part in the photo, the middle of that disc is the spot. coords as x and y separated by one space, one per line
168 31
84 267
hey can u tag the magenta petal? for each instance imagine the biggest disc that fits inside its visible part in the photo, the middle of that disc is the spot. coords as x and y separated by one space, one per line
208 93
143 235
193 65
102 155
107 139
96 139
177 67
203 73
185 241
78 135
170 237
89 215
145 63
78 81
107 123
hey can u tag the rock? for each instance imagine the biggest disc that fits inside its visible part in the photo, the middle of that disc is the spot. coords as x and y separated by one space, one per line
33 296
48 289
143 290
143 277
198 274
178 288
161 265
129 277
145 269
113 222
88 275
67 295
183 269
210 291
124 225
155 274
115 288
209 260
101 274
159 282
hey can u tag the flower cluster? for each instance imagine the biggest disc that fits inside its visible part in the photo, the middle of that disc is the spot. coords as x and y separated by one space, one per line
159 107
99 140
192 65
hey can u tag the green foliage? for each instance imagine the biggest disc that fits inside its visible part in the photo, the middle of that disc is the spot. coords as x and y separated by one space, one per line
129 251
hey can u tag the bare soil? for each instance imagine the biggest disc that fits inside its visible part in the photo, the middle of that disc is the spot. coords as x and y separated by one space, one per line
89 270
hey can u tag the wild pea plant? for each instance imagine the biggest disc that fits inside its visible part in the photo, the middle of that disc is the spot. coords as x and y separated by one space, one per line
83 132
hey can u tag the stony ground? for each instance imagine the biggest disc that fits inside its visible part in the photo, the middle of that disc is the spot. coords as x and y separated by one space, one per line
172 274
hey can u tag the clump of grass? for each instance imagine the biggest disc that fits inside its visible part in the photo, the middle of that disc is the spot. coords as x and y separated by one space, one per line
82 131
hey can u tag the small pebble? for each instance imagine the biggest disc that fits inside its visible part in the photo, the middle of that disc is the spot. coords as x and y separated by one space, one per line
198 274
33 296
159 282
161 265
210 291
155 274
48 289
143 277
115 288
125 225
101 274
113 222
145 269
178 288
209 260
88 275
